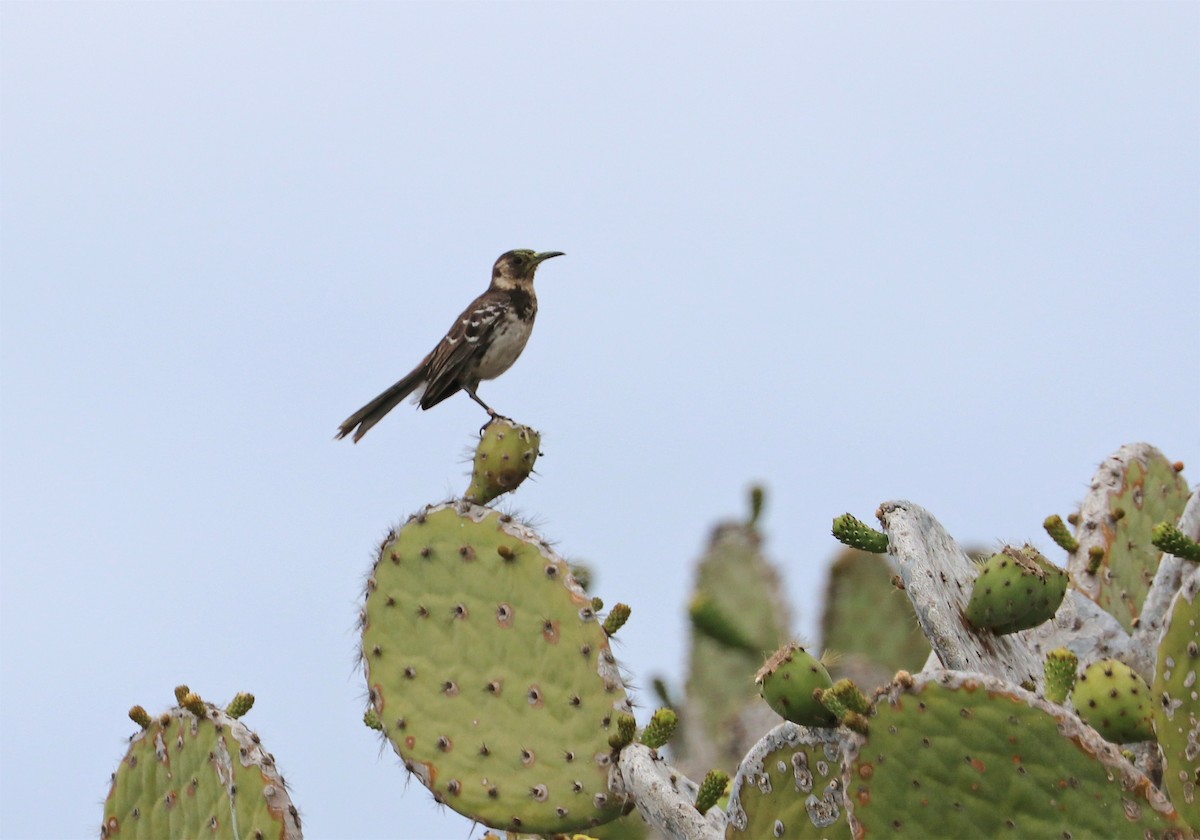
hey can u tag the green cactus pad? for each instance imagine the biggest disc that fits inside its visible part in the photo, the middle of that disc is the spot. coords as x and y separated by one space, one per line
787 681
1016 589
1176 701
490 672
189 776
789 785
1114 701
1133 491
504 458
953 754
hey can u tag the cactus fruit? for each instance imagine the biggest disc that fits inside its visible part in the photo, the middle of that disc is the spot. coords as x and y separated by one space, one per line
790 785
503 459
1015 590
1061 667
953 754
196 771
1134 490
787 681
712 788
1176 702
1114 701
1058 531
490 673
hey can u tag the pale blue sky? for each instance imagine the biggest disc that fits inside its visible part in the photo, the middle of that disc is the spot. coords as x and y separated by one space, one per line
942 252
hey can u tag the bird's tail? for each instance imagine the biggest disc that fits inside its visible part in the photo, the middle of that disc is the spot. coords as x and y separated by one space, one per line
362 420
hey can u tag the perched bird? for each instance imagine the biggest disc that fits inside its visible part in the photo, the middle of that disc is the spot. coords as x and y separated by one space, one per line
483 343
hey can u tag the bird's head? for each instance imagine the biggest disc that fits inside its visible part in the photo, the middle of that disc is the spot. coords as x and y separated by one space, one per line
515 269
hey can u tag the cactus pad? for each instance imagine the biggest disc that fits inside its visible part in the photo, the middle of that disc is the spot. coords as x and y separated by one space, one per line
490 672
787 682
504 458
1133 491
1177 703
790 786
198 776
953 754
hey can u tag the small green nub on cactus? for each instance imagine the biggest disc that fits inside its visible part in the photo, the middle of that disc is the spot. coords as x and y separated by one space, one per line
371 719
1095 558
617 617
660 728
181 691
192 702
139 716
597 603
858 534
711 790
1057 529
1015 590
856 722
788 682
1061 667
851 697
503 459
1114 701
709 621
626 729
1166 537
240 704
757 499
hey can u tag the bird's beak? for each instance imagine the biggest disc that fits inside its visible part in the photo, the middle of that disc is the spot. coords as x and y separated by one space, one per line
545 255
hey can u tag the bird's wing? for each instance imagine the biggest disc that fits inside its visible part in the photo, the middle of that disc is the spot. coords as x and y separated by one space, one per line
468 338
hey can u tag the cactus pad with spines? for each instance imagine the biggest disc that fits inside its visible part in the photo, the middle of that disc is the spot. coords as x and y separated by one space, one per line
504 458
1134 490
1176 703
206 775
490 673
953 754
790 785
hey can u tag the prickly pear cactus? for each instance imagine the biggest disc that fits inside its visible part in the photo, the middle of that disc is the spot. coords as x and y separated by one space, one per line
1177 700
952 754
790 785
787 682
504 458
1114 561
737 590
868 624
197 771
1016 589
489 672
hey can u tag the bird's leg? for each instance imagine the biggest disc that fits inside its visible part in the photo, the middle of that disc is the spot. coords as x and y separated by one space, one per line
492 415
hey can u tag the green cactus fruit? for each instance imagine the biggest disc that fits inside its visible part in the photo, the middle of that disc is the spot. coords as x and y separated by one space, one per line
857 534
1015 590
1133 491
1061 666
660 729
616 617
738 616
787 682
626 730
198 775
240 704
789 785
1176 701
1167 537
868 622
490 673
954 754
712 788
1114 701
503 459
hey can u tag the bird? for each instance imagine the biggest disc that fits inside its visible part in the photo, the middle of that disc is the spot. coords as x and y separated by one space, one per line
483 343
